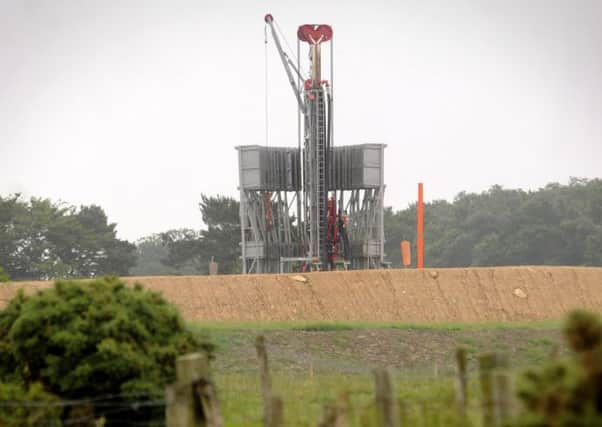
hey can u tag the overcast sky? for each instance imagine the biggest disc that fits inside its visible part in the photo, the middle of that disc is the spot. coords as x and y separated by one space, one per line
137 105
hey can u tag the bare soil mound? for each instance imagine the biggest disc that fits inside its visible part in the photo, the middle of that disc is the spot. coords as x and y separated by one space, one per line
429 295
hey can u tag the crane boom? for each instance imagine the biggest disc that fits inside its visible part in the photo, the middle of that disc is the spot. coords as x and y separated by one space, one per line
269 19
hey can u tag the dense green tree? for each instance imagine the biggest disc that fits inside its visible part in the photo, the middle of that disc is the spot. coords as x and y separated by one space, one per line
13 236
593 247
40 239
555 225
89 339
220 240
399 226
152 255
184 246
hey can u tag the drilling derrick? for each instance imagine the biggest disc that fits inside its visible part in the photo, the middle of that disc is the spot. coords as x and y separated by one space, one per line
323 181
318 165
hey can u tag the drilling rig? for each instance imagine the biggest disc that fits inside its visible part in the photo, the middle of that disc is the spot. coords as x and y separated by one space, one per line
315 206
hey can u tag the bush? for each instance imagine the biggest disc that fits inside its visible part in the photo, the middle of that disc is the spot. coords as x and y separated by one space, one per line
567 392
86 339
3 275
32 407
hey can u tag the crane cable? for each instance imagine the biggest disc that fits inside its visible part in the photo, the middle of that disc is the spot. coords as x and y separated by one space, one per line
265 35
290 54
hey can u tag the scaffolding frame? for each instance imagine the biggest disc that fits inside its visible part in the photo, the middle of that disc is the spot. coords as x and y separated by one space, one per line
274 209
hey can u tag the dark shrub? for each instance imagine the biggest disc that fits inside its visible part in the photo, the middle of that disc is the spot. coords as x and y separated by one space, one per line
94 338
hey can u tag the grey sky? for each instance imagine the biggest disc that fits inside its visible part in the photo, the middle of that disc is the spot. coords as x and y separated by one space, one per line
137 105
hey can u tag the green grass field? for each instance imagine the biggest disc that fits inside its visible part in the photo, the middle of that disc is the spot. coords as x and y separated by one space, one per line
315 363
428 402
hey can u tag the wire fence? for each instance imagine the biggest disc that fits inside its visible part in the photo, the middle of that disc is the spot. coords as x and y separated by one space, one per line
107 406
432 398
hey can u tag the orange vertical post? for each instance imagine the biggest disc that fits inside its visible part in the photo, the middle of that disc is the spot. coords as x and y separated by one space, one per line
406 257
420 229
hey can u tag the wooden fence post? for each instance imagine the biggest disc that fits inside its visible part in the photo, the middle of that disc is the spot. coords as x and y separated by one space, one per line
384 399
329 416
180 409
404 413
503 395
462 396
343 406
337 414
272 404
275 417
264 371
192 400
207 394
486 366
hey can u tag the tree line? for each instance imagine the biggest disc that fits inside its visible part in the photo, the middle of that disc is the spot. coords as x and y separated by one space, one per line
554 225
42 239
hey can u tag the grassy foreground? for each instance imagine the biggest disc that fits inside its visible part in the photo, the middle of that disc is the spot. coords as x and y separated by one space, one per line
426 402
327 362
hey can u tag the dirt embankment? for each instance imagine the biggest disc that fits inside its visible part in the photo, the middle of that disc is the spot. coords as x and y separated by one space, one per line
430 295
